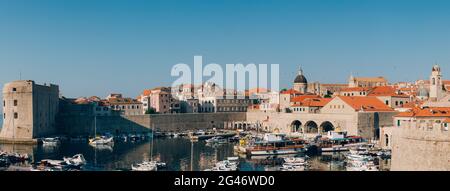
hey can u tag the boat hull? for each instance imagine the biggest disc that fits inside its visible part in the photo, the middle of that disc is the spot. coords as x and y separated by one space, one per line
275 152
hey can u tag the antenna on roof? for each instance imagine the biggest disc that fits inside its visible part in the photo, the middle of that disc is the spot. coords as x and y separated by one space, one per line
20 75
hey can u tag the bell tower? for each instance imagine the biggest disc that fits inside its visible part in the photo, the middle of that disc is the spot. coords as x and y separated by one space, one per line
435 83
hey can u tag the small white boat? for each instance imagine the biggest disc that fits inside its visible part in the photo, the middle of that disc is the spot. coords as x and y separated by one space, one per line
294 160
51 141
101 140
355 157
226 165
218 140
361 167
145 166
292 168
76 160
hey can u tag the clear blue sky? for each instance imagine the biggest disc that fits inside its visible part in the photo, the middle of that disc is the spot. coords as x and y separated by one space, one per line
93 47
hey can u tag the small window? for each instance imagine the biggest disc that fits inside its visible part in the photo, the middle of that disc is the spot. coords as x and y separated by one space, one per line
16 115
15 102
4 115
14 89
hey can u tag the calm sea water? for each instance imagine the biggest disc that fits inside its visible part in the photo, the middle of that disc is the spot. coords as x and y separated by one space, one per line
179 154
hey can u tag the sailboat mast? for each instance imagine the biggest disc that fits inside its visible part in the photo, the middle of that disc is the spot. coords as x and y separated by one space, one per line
151 146
95 126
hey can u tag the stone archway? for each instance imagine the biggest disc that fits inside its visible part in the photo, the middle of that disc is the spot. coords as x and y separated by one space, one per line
311 127
326 126
296 126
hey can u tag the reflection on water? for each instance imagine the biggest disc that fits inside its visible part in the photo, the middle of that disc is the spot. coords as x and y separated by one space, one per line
178 153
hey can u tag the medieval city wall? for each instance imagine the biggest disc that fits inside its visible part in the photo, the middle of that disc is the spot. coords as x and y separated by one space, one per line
84 125
416 149
369 123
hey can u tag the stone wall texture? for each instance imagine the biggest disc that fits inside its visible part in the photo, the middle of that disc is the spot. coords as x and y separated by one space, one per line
85 125
416 149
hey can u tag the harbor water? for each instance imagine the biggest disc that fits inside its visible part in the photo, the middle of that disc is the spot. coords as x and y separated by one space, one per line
180 154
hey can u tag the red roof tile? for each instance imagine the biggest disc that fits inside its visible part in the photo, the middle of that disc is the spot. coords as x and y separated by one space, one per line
303 97
385 91
365 103
291 92
354 89
313 102
427 112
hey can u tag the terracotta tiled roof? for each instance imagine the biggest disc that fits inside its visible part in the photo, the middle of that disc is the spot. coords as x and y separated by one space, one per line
117 101
81 100
409 105
385 91
433 112
427 112
94 98
354 89
300 98
147 92
313 102
291 92
365 103
408 89
405 114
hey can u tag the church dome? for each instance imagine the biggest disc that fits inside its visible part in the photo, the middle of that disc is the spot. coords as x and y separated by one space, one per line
300 77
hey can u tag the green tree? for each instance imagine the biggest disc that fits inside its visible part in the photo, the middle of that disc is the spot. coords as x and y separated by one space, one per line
151 111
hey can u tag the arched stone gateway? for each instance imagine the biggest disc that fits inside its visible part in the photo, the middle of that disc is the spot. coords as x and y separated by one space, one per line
326 126
296 126
311 127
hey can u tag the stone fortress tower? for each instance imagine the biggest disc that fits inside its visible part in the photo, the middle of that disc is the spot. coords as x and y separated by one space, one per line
29 111
300 82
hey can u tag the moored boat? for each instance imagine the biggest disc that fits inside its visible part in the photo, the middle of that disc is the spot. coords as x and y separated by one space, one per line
276 144
102 140
145 166
51 141
337 141
77 160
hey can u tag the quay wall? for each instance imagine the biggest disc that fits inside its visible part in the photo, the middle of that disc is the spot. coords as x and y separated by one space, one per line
84 125
416 149
282 122
364 124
